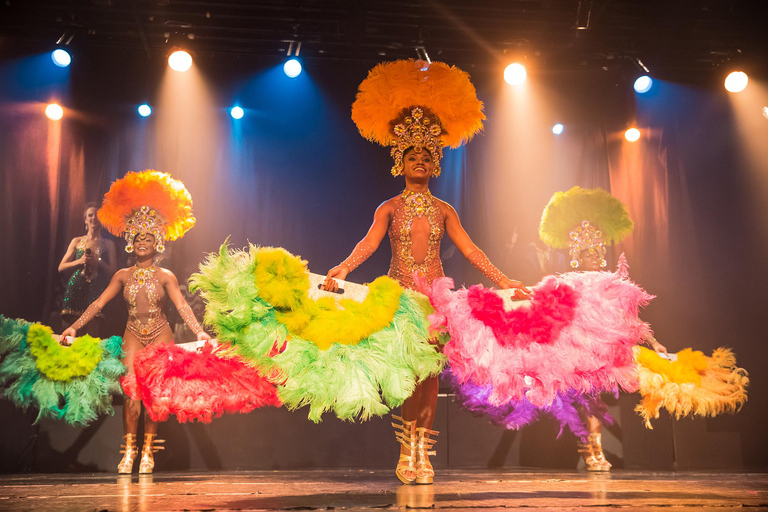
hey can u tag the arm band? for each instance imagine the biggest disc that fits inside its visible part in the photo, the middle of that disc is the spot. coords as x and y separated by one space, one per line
361 253
86 317
484 265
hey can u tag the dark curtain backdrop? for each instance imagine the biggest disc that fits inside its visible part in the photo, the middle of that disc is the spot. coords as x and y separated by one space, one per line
295 173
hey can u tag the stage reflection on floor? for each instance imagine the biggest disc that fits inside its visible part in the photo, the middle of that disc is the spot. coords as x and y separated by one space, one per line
366 489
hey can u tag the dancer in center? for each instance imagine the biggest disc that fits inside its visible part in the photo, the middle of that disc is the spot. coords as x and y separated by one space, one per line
417 108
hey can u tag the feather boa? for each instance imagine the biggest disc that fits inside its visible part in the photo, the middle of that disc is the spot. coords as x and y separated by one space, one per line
576 333
566 408
196 385
329 371
693 385
35 371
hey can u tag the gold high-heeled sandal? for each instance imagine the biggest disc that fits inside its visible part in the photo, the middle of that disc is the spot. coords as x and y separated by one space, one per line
405 432
148 451
592 453
425 474
129 451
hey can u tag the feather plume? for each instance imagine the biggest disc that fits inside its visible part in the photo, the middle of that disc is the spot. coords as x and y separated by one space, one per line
167 196
566 210
393 86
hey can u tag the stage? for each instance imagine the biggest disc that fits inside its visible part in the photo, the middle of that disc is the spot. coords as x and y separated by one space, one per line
379 489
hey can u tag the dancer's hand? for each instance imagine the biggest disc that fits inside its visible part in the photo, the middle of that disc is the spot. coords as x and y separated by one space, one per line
658 347
521 292
67 332
203 336
337 272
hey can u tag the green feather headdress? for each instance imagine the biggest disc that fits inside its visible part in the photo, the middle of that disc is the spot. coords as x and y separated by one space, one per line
584 219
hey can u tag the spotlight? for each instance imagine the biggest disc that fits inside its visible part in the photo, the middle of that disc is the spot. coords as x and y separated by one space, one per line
736 81
145 110
61 57
180 60
643 84
236 113
765 112
558 129
292 68
54 112
515 74
632 135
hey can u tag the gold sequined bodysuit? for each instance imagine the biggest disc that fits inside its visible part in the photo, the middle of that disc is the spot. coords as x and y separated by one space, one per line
145 296
413 206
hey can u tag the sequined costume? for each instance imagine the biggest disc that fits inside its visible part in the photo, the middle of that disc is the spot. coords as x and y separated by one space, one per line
412 206
145 297
85 284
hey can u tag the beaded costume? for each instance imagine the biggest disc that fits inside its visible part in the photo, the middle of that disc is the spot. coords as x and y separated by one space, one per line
85 284
412 207
145 297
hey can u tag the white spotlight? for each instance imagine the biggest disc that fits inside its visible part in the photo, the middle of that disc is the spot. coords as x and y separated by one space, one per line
292 68
145 110
736 81
765 112
558 129
643 84
236 113
180 61
632 135
54 112
515 74
61 57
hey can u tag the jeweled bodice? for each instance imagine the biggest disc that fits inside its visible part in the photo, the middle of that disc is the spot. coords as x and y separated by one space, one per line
145 296
410 207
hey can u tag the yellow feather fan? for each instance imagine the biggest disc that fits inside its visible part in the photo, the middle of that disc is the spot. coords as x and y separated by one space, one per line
693 385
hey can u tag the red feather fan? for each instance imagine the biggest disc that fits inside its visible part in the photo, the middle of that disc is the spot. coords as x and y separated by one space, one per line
196 385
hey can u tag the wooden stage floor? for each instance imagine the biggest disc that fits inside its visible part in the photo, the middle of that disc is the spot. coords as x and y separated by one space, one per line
376 490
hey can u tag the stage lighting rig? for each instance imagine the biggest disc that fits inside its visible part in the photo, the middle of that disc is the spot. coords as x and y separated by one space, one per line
292 67
179 56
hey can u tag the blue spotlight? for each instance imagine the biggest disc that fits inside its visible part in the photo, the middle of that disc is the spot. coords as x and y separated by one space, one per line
61 58
558 129
643 84
144 110
236 113
292 68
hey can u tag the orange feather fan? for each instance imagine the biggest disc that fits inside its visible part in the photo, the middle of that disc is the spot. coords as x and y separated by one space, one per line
393 86
155 189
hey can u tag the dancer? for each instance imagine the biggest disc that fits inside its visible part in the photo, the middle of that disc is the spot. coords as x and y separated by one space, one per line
417 108
148 208
587 221
94 261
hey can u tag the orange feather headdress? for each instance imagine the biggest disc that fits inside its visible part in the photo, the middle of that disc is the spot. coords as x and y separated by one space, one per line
147 202
412 103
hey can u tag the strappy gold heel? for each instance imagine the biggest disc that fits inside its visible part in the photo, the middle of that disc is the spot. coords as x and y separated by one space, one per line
425 474
405 432
592 453
151 445
129 451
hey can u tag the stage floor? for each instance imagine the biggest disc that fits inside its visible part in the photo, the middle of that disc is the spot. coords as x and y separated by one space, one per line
365 489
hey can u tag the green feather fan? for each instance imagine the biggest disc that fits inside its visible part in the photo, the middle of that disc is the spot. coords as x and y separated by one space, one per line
73 383
360 374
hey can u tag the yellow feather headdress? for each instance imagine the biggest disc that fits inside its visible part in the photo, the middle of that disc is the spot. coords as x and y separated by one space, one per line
583 218
147 202
412 103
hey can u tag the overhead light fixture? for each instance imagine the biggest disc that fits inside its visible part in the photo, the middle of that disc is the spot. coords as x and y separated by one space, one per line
632 135
292 67
180 60
583 15
421 54
236 112
515 74
179 56
144 110
558 129
61 57
54 112
643 84
736 81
